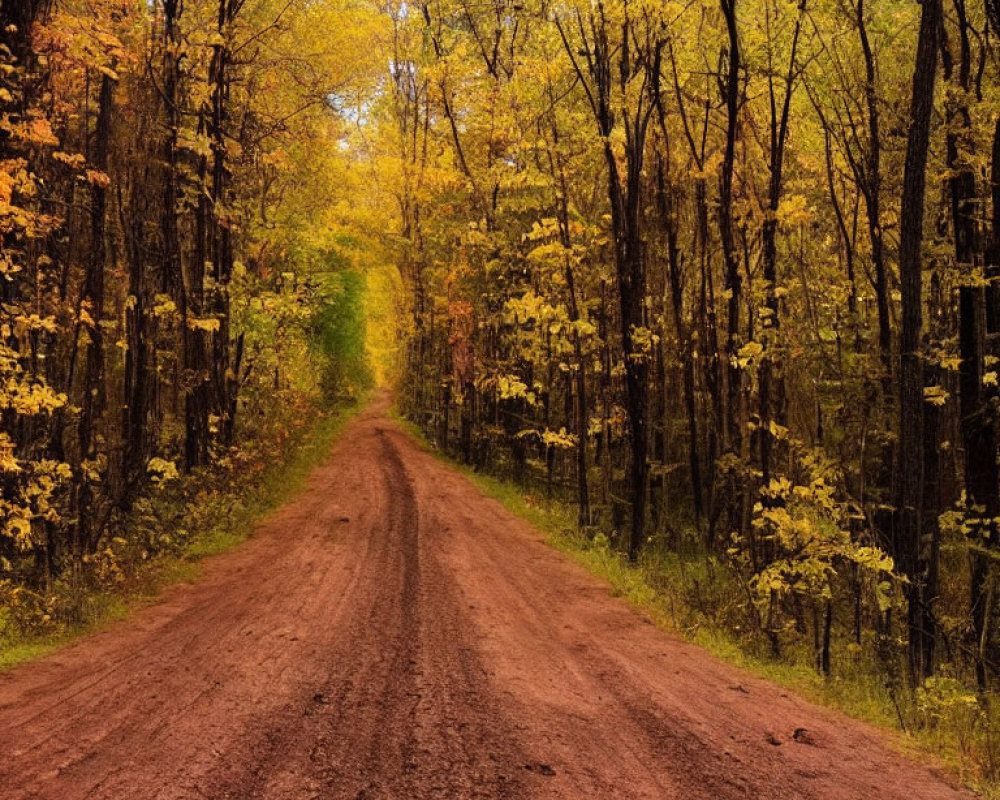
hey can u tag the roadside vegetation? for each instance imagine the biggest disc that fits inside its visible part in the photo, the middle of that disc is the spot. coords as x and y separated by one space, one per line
170 531
181 304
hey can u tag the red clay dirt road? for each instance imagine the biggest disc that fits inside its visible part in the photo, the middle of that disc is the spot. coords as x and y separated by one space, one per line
394 634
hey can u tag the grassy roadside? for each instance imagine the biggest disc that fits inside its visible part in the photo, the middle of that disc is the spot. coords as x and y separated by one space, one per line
237 512
652 587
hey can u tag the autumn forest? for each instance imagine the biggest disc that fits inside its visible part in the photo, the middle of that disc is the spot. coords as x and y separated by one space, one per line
718 280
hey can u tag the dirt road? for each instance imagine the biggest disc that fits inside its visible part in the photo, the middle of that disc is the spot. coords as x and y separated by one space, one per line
393 634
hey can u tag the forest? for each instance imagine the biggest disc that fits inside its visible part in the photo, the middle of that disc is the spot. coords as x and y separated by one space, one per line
180 297
721 276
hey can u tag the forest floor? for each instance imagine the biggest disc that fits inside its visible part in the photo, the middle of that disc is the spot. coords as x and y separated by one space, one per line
392 633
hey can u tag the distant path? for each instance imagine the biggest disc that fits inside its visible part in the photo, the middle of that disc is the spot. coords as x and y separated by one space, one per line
394 634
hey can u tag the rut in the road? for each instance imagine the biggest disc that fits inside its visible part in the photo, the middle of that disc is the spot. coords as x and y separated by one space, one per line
393 634
362 733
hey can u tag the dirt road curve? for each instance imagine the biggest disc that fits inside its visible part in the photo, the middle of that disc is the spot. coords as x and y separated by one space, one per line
393 634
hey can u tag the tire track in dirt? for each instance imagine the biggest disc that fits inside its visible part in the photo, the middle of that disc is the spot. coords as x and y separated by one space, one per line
367 672
365 733
393 634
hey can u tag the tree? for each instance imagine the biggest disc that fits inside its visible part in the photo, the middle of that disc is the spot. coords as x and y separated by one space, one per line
908 547
620 88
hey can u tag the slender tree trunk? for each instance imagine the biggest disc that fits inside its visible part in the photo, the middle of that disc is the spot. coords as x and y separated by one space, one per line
910 555
93 395
197 402
225 384
684 343
979 319
579 379
873 203
982 481
734 281
771 382
136 389
625 200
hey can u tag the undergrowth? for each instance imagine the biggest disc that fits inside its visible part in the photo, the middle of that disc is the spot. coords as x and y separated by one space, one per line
167 532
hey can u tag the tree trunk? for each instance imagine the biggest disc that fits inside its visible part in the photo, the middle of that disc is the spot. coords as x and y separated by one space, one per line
93 396
910 556
733 280
872 179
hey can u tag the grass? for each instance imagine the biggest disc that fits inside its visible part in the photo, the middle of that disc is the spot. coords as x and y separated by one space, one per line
104 609
280 482
653 587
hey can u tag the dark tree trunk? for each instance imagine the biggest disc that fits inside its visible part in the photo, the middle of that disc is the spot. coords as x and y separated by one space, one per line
136 389
625 216
172 279
982 481
771 382
733 279
684 343
196 405
225 384
604 64
872 190
911 557
581 421
93 395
